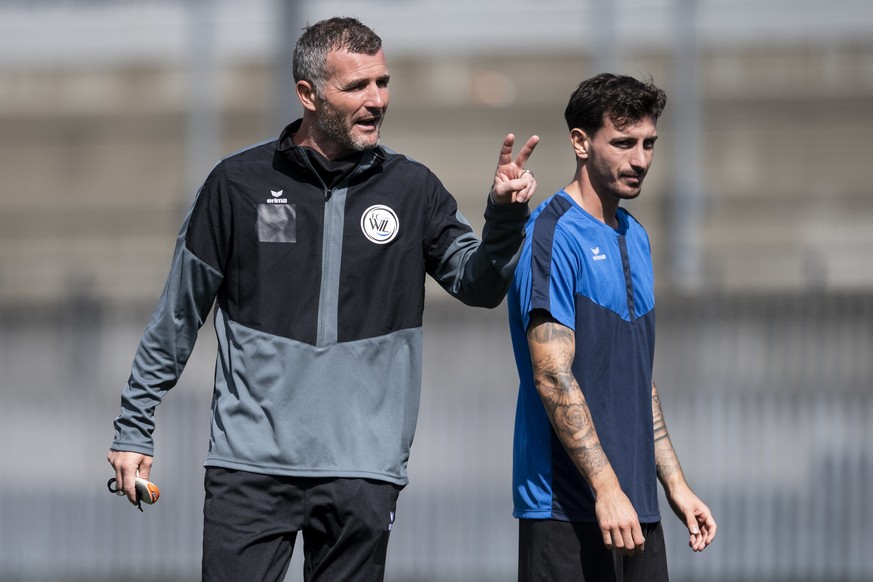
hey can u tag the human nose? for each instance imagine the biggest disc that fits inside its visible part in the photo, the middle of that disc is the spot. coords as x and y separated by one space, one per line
641 158
377 97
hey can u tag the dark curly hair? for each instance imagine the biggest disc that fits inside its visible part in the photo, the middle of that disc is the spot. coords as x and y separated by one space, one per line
624 100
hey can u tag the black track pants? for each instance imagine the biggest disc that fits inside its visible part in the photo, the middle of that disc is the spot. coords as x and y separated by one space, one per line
250 523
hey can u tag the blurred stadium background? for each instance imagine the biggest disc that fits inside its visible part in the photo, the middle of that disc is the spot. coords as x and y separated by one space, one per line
759 206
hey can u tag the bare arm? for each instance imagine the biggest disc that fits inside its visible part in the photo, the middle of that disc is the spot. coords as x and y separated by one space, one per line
685 504
669 470
552 348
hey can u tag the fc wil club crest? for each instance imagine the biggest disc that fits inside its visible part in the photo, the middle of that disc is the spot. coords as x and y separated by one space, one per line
380 224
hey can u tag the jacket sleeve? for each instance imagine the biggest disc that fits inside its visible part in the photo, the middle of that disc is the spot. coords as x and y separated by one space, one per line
168 340
476 272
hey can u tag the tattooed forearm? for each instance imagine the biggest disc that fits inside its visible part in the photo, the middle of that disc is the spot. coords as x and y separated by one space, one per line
575 429
552 352
658 417
666 461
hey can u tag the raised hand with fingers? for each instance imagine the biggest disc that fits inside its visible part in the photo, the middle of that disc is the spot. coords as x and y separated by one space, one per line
512 182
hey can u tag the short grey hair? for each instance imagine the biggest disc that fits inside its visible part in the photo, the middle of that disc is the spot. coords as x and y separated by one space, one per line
317 40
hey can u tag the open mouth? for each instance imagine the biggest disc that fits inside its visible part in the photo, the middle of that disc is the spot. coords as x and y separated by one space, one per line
368 122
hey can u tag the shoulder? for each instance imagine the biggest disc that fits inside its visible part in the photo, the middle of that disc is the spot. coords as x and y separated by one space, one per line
556 220
252 152
402 162
245 159
411 179
553 236
552 209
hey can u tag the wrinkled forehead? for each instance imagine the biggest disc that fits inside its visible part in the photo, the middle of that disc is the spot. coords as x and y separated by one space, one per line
342 63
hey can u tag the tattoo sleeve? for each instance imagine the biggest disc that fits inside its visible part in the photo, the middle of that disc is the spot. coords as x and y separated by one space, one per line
552 348
665 456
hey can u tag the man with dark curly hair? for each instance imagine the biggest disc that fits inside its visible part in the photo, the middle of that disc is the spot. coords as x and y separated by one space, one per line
590 438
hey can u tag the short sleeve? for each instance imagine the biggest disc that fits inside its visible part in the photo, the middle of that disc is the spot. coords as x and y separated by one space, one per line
554 270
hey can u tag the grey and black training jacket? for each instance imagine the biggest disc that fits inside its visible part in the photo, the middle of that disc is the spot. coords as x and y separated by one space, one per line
319 296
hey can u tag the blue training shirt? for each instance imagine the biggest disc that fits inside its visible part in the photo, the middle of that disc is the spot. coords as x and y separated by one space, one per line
597 281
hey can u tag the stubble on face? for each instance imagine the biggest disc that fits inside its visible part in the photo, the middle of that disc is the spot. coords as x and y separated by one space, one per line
621 157
334 127
351 102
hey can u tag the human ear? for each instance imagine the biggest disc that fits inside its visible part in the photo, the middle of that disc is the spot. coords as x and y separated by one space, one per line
580 142
306 94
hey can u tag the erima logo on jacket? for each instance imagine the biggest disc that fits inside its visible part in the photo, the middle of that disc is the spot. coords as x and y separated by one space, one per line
379 224
277 198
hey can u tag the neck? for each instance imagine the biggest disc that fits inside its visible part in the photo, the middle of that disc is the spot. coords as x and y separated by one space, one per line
601 207
307 136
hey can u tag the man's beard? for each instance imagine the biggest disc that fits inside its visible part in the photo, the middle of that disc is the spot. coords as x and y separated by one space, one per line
333 128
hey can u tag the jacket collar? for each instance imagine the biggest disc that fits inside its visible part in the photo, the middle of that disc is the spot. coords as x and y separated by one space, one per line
288 151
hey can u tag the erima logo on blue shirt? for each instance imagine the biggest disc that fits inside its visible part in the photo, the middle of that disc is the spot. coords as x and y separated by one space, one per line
596 254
